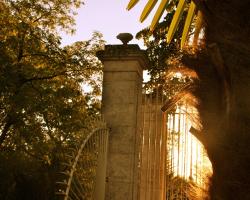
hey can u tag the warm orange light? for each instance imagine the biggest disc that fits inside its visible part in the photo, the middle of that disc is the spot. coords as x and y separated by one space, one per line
186 154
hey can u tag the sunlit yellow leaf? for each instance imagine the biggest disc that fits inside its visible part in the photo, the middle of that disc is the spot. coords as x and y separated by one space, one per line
158 14
175 20
198 26
189 19
131 4
147 9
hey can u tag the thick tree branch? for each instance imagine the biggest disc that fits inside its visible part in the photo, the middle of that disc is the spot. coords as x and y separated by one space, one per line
44 14
6 128
37 54
37 78
49 77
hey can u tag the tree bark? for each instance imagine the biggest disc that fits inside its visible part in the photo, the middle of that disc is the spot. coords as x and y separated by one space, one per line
224 93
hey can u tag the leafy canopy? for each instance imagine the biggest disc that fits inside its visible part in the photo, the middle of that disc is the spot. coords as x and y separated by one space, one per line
43 108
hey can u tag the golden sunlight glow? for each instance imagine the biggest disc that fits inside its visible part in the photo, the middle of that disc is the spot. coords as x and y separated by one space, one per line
187 156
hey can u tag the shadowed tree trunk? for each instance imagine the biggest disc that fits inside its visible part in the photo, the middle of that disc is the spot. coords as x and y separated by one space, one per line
224 92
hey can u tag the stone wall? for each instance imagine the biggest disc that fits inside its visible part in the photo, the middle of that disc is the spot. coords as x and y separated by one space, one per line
121 105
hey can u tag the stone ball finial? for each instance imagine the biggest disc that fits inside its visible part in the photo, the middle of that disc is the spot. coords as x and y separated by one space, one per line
125 37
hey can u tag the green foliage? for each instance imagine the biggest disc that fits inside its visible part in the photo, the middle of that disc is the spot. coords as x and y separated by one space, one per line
165 57
158 50
43 107
46 14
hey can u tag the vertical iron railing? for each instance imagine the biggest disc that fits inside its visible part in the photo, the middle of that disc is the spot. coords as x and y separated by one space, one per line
188 164
153 148
85 168
171 158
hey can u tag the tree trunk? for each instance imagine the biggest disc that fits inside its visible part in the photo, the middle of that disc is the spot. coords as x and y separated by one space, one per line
224 94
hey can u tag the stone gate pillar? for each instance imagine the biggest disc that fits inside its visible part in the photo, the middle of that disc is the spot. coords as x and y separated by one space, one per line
121 103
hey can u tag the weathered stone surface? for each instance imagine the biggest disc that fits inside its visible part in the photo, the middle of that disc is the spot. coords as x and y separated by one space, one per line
122 115
120 76
120 190
125 91
124 53
121 162
122 88
121 139
123 66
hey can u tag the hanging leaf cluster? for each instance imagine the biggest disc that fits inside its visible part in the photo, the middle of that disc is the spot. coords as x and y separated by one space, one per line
193 14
